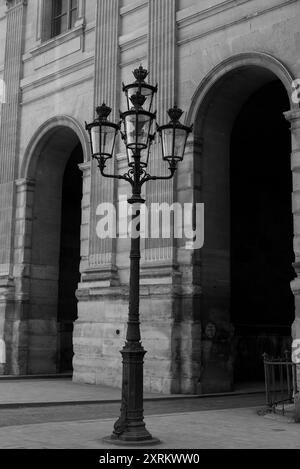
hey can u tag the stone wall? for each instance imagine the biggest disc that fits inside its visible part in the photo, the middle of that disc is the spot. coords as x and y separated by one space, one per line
183 43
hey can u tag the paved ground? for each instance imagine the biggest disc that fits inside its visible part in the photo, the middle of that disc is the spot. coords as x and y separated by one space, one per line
51 391
233 428
39 391
79 416
104 410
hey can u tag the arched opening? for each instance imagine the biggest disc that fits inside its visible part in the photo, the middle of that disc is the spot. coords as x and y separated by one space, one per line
55 251
262 303
246 262
69 262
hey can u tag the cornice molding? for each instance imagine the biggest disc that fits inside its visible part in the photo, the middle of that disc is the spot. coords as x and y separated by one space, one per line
11 4
135 39
58 90
30 85
133 7
25 183
197 17
184 19
293 116
85 167
135 61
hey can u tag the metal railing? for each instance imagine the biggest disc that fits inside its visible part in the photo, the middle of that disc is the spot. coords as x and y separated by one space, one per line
280 380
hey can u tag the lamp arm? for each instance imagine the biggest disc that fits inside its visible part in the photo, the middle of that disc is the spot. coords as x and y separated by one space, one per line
148 177
124 177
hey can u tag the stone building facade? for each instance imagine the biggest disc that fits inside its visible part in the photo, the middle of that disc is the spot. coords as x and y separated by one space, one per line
207 315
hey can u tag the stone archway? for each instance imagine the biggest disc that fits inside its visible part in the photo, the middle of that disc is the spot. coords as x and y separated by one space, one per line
258 60
42 134
50 170
215 107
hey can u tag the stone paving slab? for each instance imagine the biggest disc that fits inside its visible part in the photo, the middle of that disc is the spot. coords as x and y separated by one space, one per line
230 429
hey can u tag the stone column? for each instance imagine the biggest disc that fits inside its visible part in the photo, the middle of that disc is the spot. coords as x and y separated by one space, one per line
294 117
9 147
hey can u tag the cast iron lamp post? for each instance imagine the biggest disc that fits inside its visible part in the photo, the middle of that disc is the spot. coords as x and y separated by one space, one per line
136 129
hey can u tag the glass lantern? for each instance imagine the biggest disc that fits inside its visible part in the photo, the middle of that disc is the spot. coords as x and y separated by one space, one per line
144 155
137 124
102 134
173 136
140 87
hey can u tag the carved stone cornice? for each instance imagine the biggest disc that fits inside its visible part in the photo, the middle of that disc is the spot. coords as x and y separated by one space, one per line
85 167
25 183
15 3
133 7
190 17
293 116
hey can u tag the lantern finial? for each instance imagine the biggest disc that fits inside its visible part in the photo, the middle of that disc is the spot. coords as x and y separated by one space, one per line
103 112
140 74
138 100
175 113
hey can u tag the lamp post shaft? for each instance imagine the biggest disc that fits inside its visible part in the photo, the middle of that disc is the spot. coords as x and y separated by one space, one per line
130 427
133 329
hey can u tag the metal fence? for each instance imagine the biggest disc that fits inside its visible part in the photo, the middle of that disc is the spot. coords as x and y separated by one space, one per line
280 380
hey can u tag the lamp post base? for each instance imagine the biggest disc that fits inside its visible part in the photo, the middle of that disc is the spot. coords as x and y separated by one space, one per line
135 434
128 440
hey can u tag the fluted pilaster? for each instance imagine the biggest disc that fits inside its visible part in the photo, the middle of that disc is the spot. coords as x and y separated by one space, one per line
9 129
102 252
161 53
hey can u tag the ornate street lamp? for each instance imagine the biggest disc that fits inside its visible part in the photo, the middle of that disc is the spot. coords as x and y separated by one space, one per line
136 129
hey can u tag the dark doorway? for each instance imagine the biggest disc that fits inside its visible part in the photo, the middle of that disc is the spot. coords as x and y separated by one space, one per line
262 304
69 275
